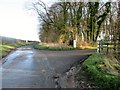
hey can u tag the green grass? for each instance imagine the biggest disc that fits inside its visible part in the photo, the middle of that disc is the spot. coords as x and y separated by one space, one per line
54 48
59 48
5 49
103 71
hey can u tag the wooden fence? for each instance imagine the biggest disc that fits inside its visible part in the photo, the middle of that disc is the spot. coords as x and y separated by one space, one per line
105 46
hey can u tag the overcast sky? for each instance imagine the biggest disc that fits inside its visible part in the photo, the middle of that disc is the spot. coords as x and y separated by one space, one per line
18 22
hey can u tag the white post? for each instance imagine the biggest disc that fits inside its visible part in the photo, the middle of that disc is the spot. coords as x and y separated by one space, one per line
98 46
98 43
74 43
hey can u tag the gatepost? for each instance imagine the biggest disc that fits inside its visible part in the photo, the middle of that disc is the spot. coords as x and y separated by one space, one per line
98 44
74 43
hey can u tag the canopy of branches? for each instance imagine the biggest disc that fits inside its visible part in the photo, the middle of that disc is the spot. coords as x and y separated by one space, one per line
81 21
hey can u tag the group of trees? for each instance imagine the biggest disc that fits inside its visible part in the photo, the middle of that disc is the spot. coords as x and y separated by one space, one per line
81 21
118 33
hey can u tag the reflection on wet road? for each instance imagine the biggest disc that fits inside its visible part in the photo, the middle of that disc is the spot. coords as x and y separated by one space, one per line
23 70
30 68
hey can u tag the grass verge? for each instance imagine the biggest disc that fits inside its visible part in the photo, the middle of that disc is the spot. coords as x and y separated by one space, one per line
54 48
42 46
103 70
5 49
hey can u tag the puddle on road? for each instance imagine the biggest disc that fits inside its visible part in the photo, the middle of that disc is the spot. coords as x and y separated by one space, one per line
19 54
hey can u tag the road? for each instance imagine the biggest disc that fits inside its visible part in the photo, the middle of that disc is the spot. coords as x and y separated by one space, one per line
30 68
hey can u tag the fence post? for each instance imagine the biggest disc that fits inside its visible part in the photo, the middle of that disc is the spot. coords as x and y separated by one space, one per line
74 43
98 46
107 47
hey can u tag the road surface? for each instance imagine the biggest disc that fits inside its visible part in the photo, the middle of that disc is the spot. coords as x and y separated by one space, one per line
30 68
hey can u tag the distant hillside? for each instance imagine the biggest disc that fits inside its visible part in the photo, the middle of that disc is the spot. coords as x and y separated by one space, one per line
9 40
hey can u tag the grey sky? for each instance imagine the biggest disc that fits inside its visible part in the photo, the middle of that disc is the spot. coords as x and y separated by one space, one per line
18 22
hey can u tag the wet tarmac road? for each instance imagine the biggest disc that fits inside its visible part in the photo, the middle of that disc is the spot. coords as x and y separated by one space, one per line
30 68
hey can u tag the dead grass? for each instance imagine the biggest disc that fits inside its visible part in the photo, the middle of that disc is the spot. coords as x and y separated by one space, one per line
104 70
112 65
85 45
